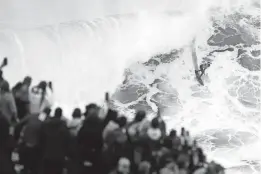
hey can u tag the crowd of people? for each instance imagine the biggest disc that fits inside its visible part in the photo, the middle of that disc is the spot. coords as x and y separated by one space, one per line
94 141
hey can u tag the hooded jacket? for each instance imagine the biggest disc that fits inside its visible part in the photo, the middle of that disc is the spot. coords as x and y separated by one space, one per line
54 140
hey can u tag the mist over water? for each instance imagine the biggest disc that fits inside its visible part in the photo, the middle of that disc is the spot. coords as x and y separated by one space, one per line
84 47
38 12
98 49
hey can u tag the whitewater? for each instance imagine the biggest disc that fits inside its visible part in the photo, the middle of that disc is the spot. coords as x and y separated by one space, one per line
142 57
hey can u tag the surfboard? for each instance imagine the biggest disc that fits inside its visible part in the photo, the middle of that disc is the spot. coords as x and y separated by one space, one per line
195 63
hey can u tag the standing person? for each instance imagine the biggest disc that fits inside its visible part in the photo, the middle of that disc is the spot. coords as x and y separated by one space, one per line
176 143
4 63
21 94
162 123
30 140
40 97
7 104
6 147
2 80
74 125
188 138
115 144
91 142
54 143
183 136
154 138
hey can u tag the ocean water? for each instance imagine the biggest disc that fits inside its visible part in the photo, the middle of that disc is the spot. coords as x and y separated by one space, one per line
143 58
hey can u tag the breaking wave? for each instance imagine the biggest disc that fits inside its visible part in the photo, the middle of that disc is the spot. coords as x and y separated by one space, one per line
146 58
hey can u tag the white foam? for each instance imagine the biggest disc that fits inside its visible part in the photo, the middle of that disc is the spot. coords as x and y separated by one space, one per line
85 59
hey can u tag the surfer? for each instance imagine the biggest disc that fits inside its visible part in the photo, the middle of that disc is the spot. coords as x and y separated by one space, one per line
195 63
207 63
200 70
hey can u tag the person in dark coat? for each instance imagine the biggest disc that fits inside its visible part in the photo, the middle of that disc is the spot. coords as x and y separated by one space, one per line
6 147
116 144
54 141
74 125
90 143
21 94
30 139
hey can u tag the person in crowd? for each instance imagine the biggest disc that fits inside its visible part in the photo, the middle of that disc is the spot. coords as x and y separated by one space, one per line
161 123
123 167
89 108
6 147
111 126
40 97
2 79
7 103
144 168
133 129
170 168
99 143
153 141
110 118
91 142
188 138
116 143
194 157
176 142
54 144
16 88
111 114
183 136
75 124
30 140
21 93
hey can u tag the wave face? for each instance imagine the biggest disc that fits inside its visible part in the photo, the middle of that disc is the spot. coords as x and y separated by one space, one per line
150 50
